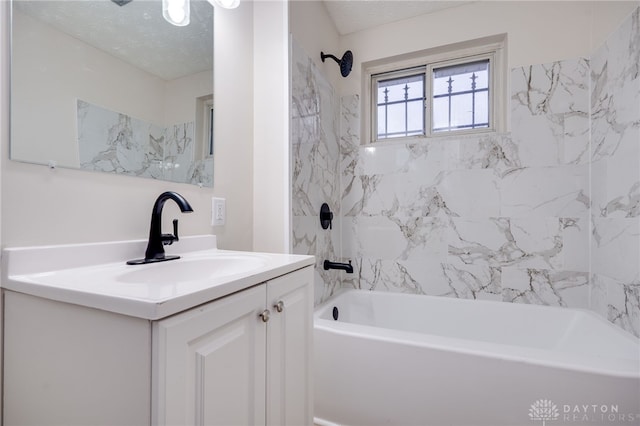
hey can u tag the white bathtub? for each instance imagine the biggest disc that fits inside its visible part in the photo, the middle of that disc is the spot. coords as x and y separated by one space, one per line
396 359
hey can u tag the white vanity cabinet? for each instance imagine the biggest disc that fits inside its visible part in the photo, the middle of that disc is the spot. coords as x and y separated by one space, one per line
241 360
218 363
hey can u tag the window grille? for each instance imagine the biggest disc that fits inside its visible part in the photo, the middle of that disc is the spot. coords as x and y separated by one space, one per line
400 106
461 96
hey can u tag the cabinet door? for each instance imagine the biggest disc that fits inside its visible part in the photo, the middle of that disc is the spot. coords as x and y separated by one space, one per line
71 365
210 363
289 349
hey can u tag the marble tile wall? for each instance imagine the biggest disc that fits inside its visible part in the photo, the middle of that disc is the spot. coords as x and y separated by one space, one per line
112 142
615 176
315 156
493 216
547 214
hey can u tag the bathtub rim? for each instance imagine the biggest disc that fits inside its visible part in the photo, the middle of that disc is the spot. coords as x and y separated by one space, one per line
623 367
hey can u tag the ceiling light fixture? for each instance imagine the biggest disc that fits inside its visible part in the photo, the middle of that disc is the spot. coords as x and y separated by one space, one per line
226 4
176 12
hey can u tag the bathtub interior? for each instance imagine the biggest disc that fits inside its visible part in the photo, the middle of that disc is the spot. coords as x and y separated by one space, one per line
468 324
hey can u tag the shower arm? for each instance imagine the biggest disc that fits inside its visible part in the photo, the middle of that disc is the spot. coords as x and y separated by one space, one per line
325 55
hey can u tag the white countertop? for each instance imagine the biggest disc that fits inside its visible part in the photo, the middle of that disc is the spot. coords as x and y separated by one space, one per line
96 275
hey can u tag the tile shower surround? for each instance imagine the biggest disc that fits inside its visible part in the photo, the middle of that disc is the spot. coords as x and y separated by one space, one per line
546 214
615 176
315 161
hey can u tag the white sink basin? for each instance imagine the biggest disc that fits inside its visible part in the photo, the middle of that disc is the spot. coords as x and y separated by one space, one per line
188 269
96 275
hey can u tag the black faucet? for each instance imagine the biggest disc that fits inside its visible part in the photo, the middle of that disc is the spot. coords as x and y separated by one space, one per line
347 267
155 249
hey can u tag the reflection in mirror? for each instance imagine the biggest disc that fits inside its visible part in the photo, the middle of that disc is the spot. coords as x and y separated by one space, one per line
113 88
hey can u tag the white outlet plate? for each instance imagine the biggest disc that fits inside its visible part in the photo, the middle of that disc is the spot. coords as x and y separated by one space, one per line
218 211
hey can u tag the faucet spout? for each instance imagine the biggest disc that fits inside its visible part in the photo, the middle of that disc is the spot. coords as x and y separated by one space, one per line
347 267
157 240
184 205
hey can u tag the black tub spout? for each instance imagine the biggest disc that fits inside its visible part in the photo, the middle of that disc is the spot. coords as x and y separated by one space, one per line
347 267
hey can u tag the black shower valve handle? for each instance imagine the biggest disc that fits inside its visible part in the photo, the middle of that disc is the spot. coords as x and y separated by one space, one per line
326 217
330 219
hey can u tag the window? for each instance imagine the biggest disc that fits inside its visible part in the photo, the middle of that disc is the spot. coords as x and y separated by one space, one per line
460 96
209 129
458 90
400 105
204 127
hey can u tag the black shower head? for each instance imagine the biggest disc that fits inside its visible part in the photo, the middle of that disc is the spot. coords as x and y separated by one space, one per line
345 63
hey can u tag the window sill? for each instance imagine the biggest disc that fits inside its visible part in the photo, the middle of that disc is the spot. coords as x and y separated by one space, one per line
443 136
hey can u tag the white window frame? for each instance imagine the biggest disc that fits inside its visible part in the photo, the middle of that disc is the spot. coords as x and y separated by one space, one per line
492 48
204 135
207 121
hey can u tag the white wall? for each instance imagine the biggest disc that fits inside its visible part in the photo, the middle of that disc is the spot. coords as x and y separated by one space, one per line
4 136
180 96
538 31
314 31
43 206
271 184
233 139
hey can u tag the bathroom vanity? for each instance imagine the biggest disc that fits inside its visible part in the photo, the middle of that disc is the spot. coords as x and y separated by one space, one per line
216 337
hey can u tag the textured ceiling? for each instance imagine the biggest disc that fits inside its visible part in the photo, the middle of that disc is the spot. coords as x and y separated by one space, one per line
356 15
136 32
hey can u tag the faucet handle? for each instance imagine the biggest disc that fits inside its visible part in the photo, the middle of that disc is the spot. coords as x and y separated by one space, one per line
168 239
175 230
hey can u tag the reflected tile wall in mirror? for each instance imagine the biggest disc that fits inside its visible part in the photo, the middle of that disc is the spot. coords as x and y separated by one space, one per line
113 142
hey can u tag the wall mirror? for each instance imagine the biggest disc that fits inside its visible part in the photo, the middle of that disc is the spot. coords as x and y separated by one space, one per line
111 86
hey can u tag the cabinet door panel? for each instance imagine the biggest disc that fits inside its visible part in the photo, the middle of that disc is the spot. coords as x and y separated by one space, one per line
211 363
71 365
289 349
